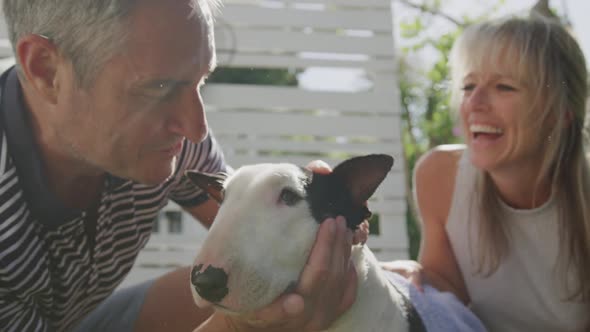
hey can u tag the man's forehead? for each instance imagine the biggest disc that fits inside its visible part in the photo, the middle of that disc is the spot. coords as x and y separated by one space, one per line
164 42
170 17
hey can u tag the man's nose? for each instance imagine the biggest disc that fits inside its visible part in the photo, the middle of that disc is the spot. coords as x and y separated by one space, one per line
210 284
188 117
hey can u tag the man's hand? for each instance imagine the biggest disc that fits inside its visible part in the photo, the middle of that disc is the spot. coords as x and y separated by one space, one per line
326 289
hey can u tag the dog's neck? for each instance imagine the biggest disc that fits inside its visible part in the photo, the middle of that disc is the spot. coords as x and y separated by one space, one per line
373 305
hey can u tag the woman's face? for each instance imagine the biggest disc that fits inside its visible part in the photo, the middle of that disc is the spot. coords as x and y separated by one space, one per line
493 110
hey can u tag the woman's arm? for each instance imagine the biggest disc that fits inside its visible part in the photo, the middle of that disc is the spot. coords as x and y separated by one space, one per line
434 182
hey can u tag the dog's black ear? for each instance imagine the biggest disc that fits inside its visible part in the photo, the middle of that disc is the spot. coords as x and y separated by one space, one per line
212 184
362 175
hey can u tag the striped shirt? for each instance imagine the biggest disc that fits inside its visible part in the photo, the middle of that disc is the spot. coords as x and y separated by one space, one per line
53 270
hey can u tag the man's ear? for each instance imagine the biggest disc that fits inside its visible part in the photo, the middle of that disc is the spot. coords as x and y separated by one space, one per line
39 59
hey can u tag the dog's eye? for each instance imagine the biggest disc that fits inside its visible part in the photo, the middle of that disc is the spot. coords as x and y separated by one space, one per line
289 197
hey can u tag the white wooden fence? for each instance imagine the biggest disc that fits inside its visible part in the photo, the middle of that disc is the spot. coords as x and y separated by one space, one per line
256 123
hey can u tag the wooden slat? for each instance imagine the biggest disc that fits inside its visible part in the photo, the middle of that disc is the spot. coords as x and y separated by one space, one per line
393 233
395 209
236 39
5 49
237 160
398 241
6 63
3 27
230 58
383 4
346 3
393 186
247 15
299 124
390 254
261 97
393 147
240 159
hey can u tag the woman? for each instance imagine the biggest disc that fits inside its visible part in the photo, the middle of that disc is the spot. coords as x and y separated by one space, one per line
507 229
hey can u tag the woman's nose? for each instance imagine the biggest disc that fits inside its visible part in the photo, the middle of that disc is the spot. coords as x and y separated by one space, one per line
479 98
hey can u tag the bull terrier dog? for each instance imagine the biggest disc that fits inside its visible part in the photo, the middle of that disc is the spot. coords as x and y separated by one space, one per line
266 227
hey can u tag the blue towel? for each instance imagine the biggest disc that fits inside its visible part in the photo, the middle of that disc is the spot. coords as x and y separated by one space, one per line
440 311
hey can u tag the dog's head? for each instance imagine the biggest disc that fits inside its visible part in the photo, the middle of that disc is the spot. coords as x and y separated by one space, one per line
267 224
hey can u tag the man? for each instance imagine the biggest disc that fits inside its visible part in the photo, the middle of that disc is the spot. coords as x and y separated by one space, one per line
99 121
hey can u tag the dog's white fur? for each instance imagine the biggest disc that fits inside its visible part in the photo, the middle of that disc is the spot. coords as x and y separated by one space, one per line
263 245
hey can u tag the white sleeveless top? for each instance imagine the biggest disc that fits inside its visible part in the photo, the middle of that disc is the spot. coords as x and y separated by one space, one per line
524 293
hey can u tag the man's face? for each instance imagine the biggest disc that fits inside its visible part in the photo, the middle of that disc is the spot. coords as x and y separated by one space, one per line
133 119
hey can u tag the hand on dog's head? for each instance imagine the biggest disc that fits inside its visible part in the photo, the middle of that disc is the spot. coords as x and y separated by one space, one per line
267 222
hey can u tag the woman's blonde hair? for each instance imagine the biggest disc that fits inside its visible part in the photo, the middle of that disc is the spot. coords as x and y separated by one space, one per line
547 59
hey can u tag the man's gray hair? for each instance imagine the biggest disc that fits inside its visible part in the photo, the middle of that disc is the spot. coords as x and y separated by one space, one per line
87 32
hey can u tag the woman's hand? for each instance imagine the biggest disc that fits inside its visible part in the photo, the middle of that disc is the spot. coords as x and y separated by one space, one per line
409 269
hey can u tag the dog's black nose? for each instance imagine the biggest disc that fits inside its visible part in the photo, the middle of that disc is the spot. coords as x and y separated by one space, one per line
210 284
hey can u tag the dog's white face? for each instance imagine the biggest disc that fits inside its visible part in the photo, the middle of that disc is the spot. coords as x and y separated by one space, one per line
260 239
267 224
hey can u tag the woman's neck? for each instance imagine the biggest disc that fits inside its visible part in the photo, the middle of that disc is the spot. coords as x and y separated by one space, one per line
520 188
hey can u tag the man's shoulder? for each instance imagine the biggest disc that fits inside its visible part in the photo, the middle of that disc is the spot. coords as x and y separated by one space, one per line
6 161
206 155
15 225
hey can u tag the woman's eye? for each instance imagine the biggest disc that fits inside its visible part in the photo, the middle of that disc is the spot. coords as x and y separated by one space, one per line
505 87
468 87
289 197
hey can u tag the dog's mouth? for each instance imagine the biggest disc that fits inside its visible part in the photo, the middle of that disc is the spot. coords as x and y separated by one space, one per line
223 308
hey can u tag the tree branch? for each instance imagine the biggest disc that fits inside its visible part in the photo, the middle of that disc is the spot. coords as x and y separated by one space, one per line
425 9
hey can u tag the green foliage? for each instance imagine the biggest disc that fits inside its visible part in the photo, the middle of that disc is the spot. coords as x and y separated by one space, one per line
374 224
413 233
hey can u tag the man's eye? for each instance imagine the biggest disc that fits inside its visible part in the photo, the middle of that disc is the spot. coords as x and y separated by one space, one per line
161 90
289 197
